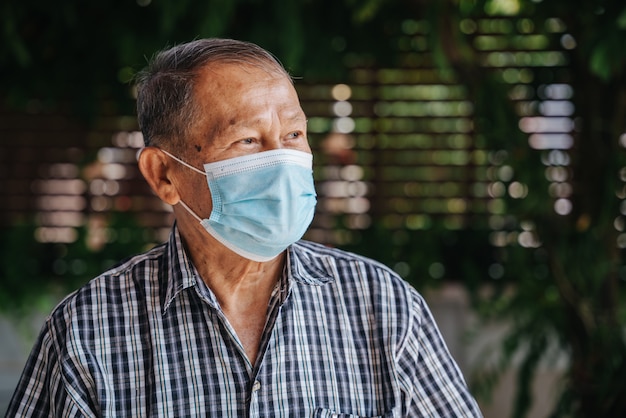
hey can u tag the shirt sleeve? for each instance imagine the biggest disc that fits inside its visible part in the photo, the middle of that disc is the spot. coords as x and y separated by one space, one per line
432 381
42 390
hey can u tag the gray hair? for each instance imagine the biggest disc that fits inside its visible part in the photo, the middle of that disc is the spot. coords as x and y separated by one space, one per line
165 88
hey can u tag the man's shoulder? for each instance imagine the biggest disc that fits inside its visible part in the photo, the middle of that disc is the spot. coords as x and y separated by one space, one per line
361 285
311 249
126 280
348 267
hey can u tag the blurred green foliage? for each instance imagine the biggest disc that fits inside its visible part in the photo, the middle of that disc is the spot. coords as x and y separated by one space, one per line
84 51
36 275
569 292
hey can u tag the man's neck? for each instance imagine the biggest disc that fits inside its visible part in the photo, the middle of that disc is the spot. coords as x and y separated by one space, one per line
242 287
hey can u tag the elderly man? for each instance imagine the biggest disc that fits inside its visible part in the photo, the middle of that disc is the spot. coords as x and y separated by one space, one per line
235 316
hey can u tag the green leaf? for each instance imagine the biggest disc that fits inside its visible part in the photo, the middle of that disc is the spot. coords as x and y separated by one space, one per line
600 63
621 20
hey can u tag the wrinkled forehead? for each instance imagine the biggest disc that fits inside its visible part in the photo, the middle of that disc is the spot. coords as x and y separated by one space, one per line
230 95
230 82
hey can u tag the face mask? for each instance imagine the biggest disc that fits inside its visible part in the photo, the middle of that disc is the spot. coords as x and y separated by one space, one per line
262 202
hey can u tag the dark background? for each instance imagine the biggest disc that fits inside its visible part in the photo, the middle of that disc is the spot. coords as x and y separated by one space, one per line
484 146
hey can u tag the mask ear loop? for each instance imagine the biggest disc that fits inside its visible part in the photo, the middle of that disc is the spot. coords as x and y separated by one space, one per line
191 212
183 204
183 163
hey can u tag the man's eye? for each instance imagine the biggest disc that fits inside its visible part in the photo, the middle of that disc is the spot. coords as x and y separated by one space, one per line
295 135
247 141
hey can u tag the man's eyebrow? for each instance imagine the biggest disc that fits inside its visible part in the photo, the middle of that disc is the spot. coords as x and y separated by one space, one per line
245 123
298 117
233 124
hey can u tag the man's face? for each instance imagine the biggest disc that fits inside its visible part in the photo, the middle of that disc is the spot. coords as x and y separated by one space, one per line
244 110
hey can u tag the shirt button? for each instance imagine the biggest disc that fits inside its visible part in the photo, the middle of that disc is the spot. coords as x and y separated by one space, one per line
256 386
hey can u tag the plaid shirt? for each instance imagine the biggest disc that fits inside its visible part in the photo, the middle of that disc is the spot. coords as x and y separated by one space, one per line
345 337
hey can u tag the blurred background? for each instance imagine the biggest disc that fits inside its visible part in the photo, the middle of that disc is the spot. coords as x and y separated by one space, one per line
474 146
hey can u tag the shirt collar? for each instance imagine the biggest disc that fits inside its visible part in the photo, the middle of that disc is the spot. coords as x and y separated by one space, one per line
304 266
181 273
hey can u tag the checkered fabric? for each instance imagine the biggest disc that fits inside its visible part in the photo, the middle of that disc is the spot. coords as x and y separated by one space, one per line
345 337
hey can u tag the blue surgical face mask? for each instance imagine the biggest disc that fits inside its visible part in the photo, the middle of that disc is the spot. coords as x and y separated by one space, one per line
262 202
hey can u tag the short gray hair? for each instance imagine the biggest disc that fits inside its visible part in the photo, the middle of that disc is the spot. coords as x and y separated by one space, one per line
165 88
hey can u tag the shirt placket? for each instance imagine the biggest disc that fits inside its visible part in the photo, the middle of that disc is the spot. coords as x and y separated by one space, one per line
254 400
274 309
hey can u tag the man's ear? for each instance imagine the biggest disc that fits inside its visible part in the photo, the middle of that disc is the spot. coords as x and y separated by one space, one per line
157 170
